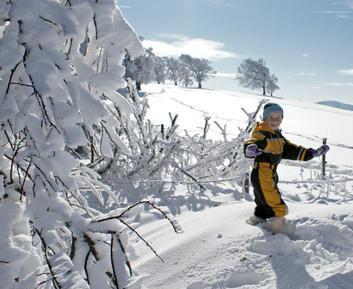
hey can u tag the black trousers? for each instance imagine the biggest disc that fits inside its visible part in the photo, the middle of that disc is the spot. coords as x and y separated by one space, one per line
269 202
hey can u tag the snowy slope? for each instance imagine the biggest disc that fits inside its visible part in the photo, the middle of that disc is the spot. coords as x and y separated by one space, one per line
218 249
304 123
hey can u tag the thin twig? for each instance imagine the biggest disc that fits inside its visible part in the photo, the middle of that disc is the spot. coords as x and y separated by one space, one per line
22 84
177 229
73 247
11 75
22 169
191 177
115 278
138 234
91 245
124 251
95 25
86 270
8 140
24 179
47 20
54 280
13 159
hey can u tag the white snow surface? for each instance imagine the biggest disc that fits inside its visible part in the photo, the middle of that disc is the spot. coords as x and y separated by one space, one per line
218 249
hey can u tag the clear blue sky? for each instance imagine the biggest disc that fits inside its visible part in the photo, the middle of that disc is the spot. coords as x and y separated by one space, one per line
308 44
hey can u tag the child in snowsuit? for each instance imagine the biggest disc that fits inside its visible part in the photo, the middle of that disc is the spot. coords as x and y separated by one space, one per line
268 147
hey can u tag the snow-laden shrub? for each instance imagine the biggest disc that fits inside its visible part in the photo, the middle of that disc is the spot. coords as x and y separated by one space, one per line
158 157
58 60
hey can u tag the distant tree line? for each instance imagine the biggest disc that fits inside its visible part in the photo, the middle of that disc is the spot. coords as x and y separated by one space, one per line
187 70
184 70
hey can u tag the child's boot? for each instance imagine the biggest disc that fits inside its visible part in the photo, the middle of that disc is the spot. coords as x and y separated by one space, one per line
254 220
278 225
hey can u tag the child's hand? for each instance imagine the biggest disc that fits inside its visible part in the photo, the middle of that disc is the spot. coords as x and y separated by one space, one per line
252 151
320 151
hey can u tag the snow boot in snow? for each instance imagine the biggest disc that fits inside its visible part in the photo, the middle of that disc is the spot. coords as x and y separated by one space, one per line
277 225
280 225
254 220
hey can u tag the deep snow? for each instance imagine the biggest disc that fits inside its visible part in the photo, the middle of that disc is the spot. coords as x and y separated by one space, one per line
218 249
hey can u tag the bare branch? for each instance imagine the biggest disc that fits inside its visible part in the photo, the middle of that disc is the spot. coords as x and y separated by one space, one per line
124 252
95 25
174 224
47 20
11 75
91 244
115 278
86 264
56 283
147 244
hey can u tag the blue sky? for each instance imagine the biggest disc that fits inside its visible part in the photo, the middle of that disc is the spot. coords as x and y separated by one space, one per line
308 44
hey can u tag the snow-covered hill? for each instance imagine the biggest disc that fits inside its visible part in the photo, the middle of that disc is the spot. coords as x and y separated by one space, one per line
304 123
217 248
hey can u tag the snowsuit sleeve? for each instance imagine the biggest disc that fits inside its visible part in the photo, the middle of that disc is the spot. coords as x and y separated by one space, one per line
292 151
257 138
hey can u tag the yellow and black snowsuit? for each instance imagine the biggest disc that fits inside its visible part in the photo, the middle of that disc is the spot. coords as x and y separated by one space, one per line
264 177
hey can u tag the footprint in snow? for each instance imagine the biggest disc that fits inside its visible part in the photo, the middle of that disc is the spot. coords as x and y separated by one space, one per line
320 258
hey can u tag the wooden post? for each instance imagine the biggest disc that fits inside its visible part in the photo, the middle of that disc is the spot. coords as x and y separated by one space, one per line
323 165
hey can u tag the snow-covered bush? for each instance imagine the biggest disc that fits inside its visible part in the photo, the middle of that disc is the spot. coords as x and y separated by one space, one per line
158 157
208 160
150 149
58 61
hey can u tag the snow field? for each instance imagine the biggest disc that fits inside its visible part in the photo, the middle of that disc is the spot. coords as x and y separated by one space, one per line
218 250
304 124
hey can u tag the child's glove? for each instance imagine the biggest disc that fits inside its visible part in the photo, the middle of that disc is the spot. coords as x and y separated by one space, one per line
252 151
320 151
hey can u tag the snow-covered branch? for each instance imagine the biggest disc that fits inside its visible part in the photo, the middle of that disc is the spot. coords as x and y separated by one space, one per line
60 67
